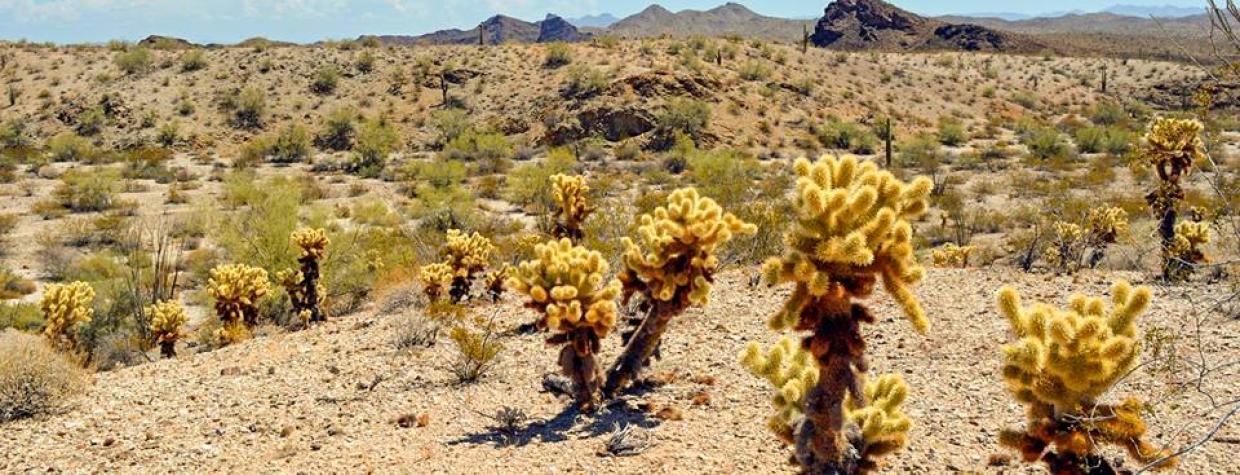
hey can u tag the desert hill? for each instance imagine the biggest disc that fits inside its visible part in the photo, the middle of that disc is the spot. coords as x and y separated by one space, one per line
727 19
874 24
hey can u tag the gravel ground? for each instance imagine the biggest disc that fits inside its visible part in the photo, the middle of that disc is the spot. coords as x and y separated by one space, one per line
307 402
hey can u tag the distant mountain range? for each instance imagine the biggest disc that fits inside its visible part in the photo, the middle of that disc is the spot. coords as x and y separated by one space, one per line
594 21
1138 11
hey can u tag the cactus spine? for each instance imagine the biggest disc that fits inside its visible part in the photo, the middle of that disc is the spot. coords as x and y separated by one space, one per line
237 289
167 318
572 209
305 289
1064 360
672 272
852 229
565 285
1171 147
65 307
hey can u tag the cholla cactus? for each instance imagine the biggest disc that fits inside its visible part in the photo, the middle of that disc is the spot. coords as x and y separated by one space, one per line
951 255
1171 147
435 279
1067 244
569 193
852 229
237 289
881 427
65 307
1064 360
496 281
1106 225
565 285
672 270
167 318
304 286
1190 236
467 255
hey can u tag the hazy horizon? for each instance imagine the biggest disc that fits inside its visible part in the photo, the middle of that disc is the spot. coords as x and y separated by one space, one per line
230 21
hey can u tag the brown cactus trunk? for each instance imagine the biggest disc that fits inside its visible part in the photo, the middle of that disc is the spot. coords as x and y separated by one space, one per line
168 349
1166 230
310 289
577 362
642 345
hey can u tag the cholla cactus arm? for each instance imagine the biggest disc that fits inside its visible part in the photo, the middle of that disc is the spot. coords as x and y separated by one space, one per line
884 427
167 318
1063 360
237 289
64 308
852 230
569 193
1185 248
791 370
565 285
436 278
672 269
951 255
497 280
467 255
309 287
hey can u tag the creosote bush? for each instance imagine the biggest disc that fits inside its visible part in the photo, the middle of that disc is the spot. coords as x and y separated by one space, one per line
565 285
1063 361
35 379
852 230
237 289
672 270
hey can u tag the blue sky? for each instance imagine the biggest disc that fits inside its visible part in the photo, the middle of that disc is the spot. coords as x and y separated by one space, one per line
308 20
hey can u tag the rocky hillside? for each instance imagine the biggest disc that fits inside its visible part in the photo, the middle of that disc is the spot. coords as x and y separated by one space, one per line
873 24
1197 26
727 19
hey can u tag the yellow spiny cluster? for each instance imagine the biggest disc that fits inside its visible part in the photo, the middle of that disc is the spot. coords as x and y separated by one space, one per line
466 254
1068 357
1189 237
64 307
1105 225
569 193
951 255
793 372
680 241
883 425
312 242
497 279
236 289
565 282
852 223
435 279
167 318
1174 142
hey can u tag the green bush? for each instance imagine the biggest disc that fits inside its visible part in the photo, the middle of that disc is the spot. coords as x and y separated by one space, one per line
1045 143
21 316
688 116
90 121
365 62
339 130
69 147
558 54
376 139
450 123
921 151
290 145
584 81
725 175
479 146
529 184
325 81
841 135
193 60
13 286
951 132
168 133
34 378
754 70
88 190
135 61
251 106
1108 113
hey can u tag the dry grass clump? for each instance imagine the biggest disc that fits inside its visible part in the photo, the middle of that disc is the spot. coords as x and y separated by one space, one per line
34 378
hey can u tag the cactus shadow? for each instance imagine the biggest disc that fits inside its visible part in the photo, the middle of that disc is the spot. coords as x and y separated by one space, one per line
569 422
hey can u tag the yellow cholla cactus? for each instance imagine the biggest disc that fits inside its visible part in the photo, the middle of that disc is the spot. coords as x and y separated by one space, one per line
1173 145
1105 225
884 426
1190 236
64 307
496 280
1064 360
678 260
312 242
852 225
466 254
792 371
167 318
951 255
237 289
569 193
435 279
565 283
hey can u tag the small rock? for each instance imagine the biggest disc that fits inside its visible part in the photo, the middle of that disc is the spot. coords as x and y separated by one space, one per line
670 413
230 371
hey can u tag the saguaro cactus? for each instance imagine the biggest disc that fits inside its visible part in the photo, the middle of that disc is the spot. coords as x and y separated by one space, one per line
1171 147
852 229
572 210
304 286
65 307
167 318
565 285
236 289
673 272
1064 360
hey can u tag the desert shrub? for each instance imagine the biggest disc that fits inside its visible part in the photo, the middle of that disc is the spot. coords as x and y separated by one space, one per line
1045 143
558 54
22 316
69 147
951 132
687 116
325 81
529 184
365 63
754 70
339 130
168 133
450 123
1026 99
135 61
921 151
290 145
14 286
585 81
843 135
250 107
88 190
376 139
34 379
414 330
477 351
725 174
1108 113
480 146
193 60
90 122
